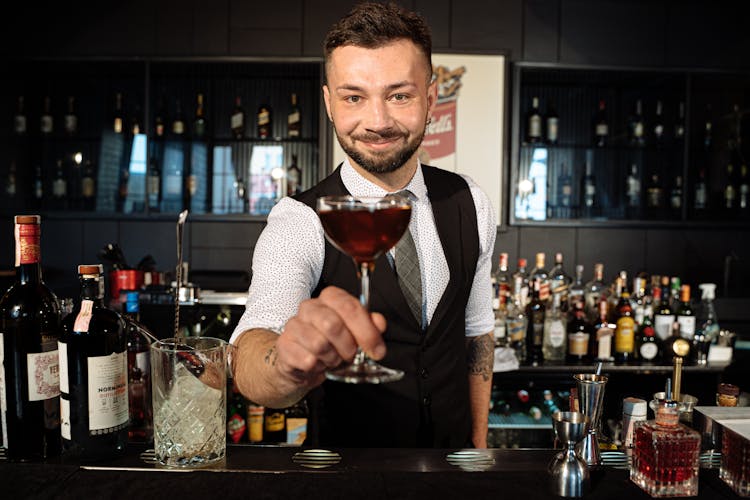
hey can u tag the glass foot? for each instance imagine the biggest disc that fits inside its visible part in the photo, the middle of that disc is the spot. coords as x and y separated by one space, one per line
366 372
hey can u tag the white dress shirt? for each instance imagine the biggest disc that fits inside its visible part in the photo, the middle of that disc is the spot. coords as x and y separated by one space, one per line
290 251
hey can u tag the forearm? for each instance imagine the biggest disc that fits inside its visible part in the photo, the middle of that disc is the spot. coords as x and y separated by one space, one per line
480 358
255 372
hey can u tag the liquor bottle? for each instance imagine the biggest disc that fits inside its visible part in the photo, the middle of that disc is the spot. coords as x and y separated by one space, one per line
636 127
638 300
139 373
601 339
516 321
263 121
237 119
601 127
679 126
118 117
700 195
633 191
502 282
674 292
199 123
178 124
663 315
553 343
274 426
29 376
647 344
255 422
523 274
296 423
565 191
707 322
551 125
60 186
19 118
38 186
540 274
293 178
675 197
93 349
88 186
236 417
685 314
160 119
153 185
624 330
729 192
135 122
658 127
534 122
70 120
46 122
675 345
595 291
744 193
589 190
535 312
665 454
579 333
559 281
294 119
655 197
577 288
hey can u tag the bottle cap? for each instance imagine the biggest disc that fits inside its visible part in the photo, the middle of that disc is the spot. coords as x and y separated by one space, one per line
729 389
708 291
634 406
27 219
90 269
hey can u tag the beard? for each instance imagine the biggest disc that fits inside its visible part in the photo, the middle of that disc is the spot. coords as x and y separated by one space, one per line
382 162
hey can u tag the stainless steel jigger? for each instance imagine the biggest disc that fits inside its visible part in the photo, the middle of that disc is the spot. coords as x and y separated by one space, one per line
570 473
590 399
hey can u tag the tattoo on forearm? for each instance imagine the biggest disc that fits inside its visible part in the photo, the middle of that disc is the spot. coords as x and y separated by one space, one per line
271 355
480 355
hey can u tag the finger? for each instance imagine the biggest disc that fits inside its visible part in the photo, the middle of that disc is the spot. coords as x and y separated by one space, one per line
357 320
296 361
324 345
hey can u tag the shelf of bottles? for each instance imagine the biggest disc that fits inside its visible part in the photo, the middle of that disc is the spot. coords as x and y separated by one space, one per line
156 137
606 145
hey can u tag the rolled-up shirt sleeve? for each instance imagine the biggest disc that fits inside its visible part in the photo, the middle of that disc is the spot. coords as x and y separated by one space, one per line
286 266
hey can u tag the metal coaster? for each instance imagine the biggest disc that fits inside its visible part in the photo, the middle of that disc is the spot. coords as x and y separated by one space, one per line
316 458
148 457
471 460
710 459
615 459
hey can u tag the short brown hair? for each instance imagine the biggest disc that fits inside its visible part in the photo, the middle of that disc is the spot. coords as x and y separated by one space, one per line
372 25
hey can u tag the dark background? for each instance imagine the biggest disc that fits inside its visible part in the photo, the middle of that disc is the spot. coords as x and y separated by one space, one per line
635 33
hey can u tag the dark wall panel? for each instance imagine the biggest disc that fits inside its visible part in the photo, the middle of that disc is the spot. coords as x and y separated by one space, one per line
540 30
437 13
174 27
264 42
280 14
612 33
478 24
318 16
507 241
548 240
211 36
617 249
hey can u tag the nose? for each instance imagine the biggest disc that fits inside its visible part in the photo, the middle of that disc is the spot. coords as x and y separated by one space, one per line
378 117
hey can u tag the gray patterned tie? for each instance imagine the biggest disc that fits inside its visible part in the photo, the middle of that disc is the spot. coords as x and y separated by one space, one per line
407 270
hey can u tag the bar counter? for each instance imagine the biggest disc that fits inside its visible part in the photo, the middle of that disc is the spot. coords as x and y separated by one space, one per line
255 472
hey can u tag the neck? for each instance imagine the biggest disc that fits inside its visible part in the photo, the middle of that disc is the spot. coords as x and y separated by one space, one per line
29 273
390 181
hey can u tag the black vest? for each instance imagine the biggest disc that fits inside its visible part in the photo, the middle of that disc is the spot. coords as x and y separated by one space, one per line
429 407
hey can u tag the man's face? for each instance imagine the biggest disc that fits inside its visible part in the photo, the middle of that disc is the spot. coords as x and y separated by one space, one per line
380 101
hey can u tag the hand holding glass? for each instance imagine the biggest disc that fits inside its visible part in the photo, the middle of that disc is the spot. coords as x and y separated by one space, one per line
364 228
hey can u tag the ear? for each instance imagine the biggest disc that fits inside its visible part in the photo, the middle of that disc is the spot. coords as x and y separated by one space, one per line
327 100
432 95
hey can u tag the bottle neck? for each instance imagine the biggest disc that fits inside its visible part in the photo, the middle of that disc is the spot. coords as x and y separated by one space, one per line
28 254
29 273
92 289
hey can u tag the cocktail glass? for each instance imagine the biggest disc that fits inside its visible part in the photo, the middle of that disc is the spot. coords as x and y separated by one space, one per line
364 228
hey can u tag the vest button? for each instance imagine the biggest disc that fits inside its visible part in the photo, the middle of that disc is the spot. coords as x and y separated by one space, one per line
426 400
423 373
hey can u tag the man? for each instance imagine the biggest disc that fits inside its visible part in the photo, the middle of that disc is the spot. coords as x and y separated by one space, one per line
302 315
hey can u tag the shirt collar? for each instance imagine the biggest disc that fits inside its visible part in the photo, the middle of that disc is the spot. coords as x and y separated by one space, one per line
359 186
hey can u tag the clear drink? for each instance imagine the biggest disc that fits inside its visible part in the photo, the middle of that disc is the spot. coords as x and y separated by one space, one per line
189 401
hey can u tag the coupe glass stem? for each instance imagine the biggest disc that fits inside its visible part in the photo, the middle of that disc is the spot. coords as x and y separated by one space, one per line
364 270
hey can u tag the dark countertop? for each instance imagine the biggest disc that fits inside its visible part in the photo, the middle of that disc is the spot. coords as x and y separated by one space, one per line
270 472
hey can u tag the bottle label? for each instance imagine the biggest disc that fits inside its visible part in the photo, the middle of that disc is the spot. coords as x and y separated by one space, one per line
535 126
3 401
296 430
649 350
87 187
27 243
602 130
178 127
638 130
84 316
43 375
59 188
552 129
108 393
236 426
19 126
604 343
556 333
71 124
46 124
274 422
118 126
578 343
255 423
236 120
62 350
264 118
687 326
663 326
499 332
153 185
516 329
625 335
65 419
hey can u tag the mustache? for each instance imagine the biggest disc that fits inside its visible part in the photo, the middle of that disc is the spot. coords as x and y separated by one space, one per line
379 136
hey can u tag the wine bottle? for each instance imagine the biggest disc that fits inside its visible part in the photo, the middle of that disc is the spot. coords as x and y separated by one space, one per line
534 122
658 124
135 123
88 186
237 119
551 125
589 190
294 119
199 124
46 122
274 426
601 128
29 376
178 124
264 124
679 127
70 120
19 118
633 191
139 373
535 312
153 185
93 374
60 186
636 126
118 118
293 178
160 119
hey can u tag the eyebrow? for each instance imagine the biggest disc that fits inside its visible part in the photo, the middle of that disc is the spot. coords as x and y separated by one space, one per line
391 87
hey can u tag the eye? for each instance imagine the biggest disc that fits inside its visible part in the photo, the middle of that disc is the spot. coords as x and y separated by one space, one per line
400 97
352 99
